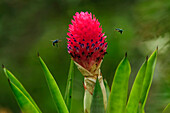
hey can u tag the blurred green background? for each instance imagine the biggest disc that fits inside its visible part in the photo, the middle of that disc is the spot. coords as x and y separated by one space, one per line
26 27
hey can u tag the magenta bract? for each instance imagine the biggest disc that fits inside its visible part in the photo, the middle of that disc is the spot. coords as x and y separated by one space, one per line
86 42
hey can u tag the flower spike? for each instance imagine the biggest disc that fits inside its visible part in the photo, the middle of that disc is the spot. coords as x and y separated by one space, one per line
86 42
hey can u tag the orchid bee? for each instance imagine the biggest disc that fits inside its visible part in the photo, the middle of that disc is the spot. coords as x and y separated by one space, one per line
119 30
55 42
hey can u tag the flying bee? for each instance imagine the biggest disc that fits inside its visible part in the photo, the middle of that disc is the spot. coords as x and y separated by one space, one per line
55 42
119 30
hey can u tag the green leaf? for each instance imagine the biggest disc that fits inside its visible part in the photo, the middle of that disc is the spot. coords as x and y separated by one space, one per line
107 89
24 102
167 109
20 88
97 105
148 77
53 87
118 95
68 93
134 98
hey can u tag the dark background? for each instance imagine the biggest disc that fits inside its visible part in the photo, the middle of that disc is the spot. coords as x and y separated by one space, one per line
27 28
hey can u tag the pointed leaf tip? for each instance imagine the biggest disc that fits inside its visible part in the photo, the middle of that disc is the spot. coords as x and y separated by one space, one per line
126 54
38 54
146 58
3 66
9 81
157 47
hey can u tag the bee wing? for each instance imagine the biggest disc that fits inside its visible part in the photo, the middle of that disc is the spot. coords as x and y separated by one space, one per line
116 29
59 40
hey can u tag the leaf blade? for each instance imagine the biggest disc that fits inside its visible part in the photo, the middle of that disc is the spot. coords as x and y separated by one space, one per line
24 102
134 98
97 105
148 78
54 89
68 92
16 82
118 95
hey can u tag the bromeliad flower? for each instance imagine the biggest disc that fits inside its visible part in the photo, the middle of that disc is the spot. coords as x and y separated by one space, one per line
87 47
86 42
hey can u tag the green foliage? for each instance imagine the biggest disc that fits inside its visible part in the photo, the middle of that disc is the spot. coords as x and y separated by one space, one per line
132 105
97 105
117 98
24 103
140 89
69 87
119 90
53 87
23 98
148 78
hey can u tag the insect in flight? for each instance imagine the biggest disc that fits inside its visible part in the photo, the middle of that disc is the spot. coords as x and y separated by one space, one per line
55 42
119 30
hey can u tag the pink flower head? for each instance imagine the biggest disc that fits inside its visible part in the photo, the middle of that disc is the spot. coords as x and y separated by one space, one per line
86 42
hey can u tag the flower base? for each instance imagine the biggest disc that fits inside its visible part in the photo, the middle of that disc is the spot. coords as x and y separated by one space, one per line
89 84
